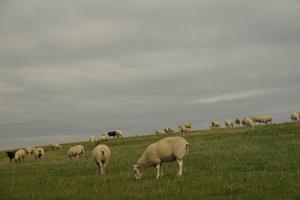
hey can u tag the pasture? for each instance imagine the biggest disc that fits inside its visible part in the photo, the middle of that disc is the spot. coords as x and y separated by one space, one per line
234 163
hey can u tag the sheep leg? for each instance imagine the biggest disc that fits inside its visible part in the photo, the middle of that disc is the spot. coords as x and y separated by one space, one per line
180 167
161 171
157 171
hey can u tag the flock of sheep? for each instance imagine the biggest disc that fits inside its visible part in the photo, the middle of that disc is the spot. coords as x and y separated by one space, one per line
165 150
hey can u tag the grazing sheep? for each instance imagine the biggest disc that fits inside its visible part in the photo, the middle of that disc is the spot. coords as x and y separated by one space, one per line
183 129
11 155
30 150
54 146
165 150
119 134
104 137
101 154
295 117
76 151
187 125
229 123
262 119
168 130
19 155
248 122
92 139
238 121
39 153
215 124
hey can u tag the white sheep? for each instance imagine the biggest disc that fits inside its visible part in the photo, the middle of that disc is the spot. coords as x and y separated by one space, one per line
54 146
248 122
295 117
92 139
229 123
30 150
104 137
20 155
39 153
215 124
76 151
101 155
188 125
183 129
262 119
165 150
119 134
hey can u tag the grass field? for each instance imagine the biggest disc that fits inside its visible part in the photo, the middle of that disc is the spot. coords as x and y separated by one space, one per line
222 164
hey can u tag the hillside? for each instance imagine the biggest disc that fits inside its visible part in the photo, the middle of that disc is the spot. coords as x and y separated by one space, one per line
222 164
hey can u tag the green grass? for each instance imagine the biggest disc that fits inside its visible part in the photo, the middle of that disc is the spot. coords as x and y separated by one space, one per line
222 164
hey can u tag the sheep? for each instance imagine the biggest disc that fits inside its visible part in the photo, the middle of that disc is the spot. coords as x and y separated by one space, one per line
11 155
248 122
262 119
30 150
92 139
101 155
165 150
238 121
215 124
104 137
54 146
19 155
188 125
168 130
75 151
295 117
119 134
229 123
183 129
39 153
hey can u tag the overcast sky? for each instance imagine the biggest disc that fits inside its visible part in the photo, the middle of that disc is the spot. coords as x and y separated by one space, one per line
71 69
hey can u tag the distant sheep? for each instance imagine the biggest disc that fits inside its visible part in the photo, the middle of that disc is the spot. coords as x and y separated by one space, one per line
187 125
237 121
39 154
183 129
115 134
295 117
76 151
215 124
19 155
119 134
30 150
54 146
262 119
92 139
165 150
101 155
104 137
248 122
229 123
168 130
11 155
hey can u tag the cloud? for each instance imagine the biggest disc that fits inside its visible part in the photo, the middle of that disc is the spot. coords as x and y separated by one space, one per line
230 97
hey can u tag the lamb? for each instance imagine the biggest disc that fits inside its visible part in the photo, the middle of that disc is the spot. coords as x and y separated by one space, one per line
19 155
11 155
54 146
92 139
39 153
295 117
101 154
30 150
248 122
238 121
229 123
165 150
215 124
104 137
76 151
183 129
